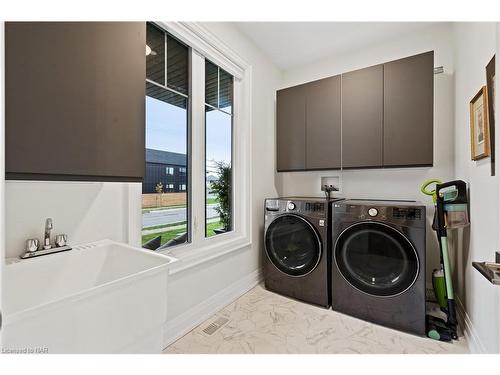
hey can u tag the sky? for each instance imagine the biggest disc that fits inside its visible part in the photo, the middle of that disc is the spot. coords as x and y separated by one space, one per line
166 129
165 126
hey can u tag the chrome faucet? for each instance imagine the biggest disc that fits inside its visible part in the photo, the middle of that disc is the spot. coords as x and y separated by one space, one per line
32 245
48 227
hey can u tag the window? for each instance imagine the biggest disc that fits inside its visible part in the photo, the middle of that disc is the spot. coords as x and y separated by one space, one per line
164 211
198 112
218 150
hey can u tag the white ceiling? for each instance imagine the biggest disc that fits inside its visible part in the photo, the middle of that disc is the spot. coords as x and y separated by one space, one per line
291 44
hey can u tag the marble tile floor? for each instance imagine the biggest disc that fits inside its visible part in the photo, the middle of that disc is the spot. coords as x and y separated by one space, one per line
263 322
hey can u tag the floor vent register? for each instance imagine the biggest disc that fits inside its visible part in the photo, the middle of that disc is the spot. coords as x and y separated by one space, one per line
215 326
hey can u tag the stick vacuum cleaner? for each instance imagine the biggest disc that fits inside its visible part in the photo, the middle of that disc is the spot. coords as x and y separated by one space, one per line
450 201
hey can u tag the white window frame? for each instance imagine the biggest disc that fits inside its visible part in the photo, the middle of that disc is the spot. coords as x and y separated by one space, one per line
203 44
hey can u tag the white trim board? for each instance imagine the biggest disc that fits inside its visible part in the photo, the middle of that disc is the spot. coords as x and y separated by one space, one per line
182 324
471 336
207 44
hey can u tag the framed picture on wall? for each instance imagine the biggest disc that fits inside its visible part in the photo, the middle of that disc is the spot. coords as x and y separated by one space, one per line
490 86
479 130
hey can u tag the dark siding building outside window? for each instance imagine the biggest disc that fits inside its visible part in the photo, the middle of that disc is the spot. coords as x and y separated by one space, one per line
159 168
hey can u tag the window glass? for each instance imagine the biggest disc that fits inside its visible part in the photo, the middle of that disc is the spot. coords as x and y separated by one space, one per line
164 204
218 167
211 84
218 150
177 65
166 186
155 54
225 91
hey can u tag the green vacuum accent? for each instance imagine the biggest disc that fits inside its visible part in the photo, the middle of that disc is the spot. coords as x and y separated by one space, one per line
433 334
455 207
437 329
439 286
449 195
432 193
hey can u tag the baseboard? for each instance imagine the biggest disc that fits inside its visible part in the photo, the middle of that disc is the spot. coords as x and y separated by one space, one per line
179 326
473 341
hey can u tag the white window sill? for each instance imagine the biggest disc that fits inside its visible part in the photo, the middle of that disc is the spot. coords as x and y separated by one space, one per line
190 256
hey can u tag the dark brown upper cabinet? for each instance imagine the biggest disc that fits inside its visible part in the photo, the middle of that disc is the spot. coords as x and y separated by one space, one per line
75 96
408 111
377 117
363 117
323 123
291 128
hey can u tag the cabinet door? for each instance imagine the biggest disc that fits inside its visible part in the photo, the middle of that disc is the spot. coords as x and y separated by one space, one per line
323 124
362 117
291 128
75 94
408 111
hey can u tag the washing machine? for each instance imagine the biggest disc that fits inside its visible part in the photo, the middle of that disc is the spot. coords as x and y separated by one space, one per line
297 256
378 265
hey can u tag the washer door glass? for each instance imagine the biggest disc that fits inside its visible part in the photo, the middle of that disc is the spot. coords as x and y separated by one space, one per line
292 245
376 259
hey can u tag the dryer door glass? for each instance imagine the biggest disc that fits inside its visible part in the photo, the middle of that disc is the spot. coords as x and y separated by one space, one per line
376 259
293 245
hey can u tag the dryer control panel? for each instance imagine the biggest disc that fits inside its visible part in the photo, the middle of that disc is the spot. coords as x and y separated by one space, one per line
403 213
313 207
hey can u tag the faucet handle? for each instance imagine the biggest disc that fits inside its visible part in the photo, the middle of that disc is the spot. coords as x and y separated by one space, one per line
61 240
32 245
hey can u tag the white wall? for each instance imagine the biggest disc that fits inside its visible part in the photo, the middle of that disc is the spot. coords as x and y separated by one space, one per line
85 211
389 183
475 45
196 285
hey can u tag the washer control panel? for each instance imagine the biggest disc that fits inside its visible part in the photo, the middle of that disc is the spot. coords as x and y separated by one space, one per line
405 213
298 206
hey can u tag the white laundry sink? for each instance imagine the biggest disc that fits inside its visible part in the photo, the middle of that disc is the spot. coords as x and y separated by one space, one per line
101 297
